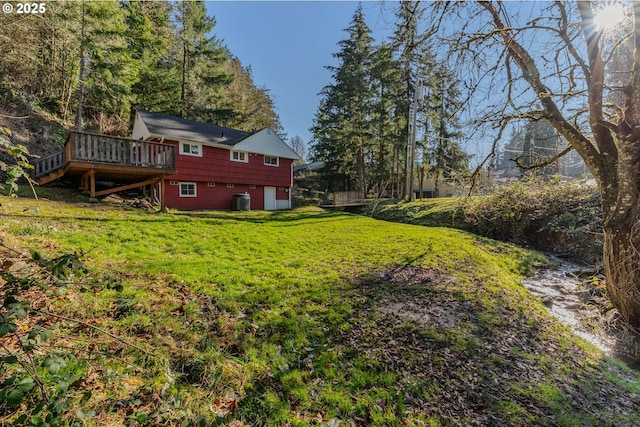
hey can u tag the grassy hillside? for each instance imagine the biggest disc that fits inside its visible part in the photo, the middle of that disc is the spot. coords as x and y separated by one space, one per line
560 217
297 318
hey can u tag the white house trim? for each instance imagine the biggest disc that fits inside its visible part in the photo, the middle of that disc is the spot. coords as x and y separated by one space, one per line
190 150
269 160
266 142
185 189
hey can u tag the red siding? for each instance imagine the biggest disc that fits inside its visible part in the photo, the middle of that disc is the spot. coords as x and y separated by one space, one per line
282 193
212 198
215 166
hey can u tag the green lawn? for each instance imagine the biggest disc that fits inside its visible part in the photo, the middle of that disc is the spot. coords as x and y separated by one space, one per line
308 317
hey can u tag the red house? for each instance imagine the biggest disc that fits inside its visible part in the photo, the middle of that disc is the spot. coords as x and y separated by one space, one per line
216 163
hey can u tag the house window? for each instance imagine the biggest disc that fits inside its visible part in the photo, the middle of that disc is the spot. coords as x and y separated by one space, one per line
211 184
239 156
271 160
173 183
230 185
191 149
252 187
188 189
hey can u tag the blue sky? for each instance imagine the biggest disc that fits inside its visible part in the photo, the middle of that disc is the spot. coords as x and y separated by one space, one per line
288 44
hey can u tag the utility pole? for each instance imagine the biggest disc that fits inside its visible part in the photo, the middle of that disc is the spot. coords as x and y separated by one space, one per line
411 141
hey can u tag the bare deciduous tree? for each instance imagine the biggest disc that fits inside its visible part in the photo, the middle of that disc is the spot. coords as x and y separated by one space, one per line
532 60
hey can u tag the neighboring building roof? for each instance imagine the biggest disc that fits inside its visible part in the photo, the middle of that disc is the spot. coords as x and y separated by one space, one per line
308 166
265 141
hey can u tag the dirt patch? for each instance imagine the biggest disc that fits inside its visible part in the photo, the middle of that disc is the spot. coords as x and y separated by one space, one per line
410 302
471 368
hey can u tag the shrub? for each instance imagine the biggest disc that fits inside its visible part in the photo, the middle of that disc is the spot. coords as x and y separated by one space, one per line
557 217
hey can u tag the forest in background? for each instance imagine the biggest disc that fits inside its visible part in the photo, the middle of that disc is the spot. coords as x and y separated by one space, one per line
362 126
91 65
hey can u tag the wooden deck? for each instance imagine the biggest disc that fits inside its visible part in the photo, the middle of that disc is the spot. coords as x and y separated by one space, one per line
127 163
343 199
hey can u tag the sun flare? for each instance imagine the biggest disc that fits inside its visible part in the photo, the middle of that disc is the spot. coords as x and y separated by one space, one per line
609 16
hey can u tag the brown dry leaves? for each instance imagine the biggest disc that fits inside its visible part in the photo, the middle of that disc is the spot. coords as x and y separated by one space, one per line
472 366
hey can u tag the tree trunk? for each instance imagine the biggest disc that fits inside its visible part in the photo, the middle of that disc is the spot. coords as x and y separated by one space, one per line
185 59
620 194
622 268
611 145
81 75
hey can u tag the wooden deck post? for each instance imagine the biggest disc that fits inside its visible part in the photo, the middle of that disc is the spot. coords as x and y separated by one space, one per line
92 183
88 182
163 200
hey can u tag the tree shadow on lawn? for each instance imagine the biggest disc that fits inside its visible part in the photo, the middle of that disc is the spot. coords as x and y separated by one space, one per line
464 362
285 218
262 217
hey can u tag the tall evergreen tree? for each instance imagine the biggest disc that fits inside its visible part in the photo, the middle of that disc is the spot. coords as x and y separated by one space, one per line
388 119
151 41
410 47
107 69
202 62
105 59
443 156
348 102
246 106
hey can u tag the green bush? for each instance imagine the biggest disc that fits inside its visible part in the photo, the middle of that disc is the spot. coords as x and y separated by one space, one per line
563 218
557 217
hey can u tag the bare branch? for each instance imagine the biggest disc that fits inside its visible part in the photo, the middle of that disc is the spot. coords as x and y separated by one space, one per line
542 164
532 75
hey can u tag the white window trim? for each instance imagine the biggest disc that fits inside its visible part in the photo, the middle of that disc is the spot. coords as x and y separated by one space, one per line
271 164
246 156
190 144
195 189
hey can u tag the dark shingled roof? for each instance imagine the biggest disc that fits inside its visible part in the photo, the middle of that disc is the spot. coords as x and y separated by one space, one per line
179 128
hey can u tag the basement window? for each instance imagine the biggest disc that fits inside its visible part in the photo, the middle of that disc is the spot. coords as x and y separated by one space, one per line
188 189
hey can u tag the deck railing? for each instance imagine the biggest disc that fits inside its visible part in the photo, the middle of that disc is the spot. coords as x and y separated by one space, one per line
89 147
95 148
348 198
48 164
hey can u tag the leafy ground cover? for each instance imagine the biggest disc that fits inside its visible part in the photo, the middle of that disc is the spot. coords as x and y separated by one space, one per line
304 317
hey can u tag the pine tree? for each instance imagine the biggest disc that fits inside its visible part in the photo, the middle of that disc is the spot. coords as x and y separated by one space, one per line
39 56
246 106
388 120
106 59
202 63
107 69
410 46
443 154
346 143
151 40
